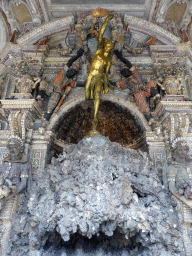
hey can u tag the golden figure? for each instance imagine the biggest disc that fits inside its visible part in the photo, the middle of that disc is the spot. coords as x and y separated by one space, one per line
97 79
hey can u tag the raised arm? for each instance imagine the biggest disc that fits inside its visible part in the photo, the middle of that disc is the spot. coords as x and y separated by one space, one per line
102 31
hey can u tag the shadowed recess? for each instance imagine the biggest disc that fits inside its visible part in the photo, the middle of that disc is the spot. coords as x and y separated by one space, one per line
115 122
101 244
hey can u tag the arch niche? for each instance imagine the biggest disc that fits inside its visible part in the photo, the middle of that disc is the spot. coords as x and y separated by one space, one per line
119 120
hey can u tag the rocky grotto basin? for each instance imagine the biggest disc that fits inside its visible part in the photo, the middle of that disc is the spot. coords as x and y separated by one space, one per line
97 198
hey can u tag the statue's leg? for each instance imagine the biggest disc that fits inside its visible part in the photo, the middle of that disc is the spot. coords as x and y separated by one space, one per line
96 109
97 95
96 104
88 88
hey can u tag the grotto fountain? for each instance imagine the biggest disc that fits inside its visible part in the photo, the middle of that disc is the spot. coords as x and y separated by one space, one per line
65 193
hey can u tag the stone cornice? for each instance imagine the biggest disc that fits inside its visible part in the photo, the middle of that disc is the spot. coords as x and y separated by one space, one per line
90 7
22 104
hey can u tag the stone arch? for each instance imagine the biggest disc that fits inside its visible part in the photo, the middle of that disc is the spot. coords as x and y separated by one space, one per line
59 25
113 97
45 30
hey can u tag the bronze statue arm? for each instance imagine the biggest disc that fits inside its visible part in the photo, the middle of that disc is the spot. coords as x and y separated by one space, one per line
102 31
108 67
174 191
106 76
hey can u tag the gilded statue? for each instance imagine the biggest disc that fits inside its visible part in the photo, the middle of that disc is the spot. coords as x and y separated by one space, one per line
97 80
179 176
15 173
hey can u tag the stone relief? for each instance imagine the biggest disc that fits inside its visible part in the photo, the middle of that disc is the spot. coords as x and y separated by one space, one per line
179 182
15 174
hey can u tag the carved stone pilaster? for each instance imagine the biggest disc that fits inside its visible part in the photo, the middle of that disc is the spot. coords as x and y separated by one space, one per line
156 146
21 115
172 120
39 153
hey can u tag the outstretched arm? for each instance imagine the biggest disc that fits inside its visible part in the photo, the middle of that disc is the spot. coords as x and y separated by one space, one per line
106 76
108 67
102 31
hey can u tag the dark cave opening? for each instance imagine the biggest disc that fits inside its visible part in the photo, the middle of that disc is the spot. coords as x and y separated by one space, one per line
115 122
115 243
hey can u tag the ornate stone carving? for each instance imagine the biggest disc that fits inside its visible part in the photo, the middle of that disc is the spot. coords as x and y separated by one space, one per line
22 114
164 5
14 173
172 118
178 25
10 17
179 177
45 29
24 86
